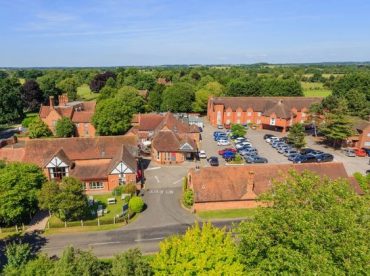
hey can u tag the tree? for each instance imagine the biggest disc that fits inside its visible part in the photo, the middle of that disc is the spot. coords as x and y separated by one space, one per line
188 198
11 105
48 197
155 97
130 188
363 181
37 128
238 130
296 135
69 86
48 86
99 81
72 202
77 262
31 95
113 116
203 94
64 127
130 263
178 98
19 184
136 204
314 226
201 251
41 265
337 125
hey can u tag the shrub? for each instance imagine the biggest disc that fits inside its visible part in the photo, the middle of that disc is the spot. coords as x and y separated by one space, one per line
184 184
37 128
64 127
238 158
118 191
130 188
188 198
17 254
27 121
136 204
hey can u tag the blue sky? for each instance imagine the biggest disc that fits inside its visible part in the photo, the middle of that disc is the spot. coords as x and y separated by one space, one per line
154 32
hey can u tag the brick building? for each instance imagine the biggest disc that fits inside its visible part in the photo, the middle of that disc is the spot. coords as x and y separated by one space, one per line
276 113
101 163
361 139
226 187
171 140
80 113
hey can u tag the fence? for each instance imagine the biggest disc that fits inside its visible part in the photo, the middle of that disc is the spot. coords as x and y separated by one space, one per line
95 222
13 229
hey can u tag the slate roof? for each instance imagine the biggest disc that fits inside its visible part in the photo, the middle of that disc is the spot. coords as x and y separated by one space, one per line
281 106
212 184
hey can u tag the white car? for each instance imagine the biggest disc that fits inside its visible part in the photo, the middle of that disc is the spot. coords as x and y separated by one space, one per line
223 143
202 154
272 139
246 143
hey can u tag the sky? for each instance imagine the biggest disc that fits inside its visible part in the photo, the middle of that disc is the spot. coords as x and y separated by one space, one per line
42 33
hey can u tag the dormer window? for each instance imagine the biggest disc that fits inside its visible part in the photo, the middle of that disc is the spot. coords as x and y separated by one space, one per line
57 169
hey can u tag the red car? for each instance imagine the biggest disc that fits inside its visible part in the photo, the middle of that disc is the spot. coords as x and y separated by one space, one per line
360 152
221 152
227 126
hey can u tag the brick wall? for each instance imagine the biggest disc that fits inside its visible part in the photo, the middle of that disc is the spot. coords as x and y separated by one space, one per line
51 120
85 130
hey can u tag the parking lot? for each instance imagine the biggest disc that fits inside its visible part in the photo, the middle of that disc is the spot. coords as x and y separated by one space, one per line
352 164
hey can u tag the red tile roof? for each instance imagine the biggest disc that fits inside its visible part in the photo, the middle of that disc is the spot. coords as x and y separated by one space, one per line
281 106
78 112
212 184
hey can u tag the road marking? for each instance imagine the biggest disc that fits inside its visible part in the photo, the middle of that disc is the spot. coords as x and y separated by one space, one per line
156 178
152 169
102 243
152 239
177 181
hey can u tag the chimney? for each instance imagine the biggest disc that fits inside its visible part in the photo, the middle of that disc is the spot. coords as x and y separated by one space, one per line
63 99
250 182
51 102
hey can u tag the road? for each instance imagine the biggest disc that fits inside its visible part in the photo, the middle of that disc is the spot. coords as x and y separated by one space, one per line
108 243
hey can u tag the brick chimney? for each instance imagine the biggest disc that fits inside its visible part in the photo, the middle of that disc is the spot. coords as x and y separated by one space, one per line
250 186
63 99
51 102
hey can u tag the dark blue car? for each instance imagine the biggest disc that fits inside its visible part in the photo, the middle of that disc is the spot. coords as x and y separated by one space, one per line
228 155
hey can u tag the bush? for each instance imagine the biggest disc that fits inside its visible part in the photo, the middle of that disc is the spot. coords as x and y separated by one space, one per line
64 127
130 188
118 191
27 121
17 255
37 128
136 204
188 198
185 184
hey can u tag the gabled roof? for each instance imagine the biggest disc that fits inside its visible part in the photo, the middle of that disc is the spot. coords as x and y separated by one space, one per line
230 183
169 141
78 112
61 155
281 106
125 156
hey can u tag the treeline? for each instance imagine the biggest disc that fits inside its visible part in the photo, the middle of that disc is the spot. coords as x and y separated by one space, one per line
179 89
299 234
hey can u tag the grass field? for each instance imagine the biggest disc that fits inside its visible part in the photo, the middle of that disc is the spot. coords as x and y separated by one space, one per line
225 214
315 89
84 93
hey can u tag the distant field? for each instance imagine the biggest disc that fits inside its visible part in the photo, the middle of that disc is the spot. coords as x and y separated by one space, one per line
314 89
84 93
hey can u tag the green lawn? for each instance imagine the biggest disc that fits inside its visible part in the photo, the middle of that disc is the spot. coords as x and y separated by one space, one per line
84 93
315 89
106 219
228 213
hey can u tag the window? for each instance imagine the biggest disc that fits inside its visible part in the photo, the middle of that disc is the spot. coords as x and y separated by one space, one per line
239 114
249 113
259 114
248 121
158 155
77 125
303 114
58 172
238 121
83 186
228 122
122 179
96 185
272 121
86 129
258 122
228 113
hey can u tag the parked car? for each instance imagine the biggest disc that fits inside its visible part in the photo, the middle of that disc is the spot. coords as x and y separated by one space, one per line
251 150
228 155
290 151
239 146
360 152
217 133
240 139
292 156
255 159
223 142
325 157
278 144
282 149
227 126
220 127
202 154
272 139
222 151
213 161
367 151
349 152
306 150
266 136
307 158
220 137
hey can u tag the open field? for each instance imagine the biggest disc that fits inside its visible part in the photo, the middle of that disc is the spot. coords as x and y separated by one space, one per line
317 89
225 214
84 93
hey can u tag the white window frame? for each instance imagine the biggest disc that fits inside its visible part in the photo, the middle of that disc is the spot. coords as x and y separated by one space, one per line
238 114
249 113
228 113
96 185
272 121
259 114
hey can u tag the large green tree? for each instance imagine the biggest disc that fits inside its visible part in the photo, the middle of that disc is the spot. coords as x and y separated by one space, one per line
11 104
37 128
178 98
203 94
19 184
64 127
205 250
314 226
130 263
69 86
113 116
296 136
